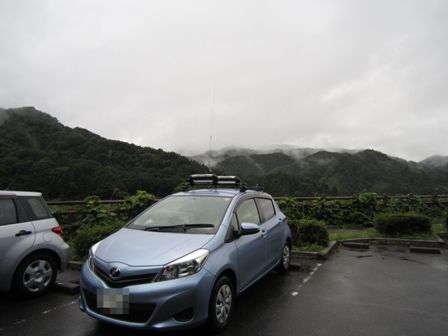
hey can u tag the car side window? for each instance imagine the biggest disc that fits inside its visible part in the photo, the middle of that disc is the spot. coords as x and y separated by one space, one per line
37 208
247 212
8 213
266 208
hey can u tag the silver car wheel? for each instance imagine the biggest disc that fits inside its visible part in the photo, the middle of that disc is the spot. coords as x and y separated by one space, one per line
223 303
286 256
37 275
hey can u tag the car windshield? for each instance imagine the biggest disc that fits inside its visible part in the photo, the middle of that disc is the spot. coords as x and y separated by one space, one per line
183 213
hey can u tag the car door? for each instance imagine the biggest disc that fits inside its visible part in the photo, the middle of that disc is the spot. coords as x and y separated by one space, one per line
251 248
272 230
17 235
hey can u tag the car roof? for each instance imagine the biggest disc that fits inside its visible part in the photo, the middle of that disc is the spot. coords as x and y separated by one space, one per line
19 193
224 192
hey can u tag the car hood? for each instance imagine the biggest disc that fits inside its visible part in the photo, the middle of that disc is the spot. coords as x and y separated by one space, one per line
146 248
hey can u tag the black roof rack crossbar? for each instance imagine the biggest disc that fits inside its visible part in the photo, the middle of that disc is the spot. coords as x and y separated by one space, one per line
215 181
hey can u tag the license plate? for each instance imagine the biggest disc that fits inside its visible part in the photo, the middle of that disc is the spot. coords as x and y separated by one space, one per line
114 301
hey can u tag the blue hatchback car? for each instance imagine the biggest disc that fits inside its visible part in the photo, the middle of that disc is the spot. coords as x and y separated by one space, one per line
183 261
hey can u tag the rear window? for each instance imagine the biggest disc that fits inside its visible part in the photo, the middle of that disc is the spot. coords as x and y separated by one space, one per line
8 213
36 208
267 208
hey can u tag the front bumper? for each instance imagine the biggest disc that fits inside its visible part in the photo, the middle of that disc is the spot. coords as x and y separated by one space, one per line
172 304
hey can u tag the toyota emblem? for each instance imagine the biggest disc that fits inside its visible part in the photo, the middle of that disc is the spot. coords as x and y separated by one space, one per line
114 273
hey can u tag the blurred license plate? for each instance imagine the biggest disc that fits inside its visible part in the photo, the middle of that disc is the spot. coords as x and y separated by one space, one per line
113 300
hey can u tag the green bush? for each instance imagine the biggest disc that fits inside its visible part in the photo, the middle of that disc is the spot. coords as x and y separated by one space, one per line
88 235
294 227
138 202
361 210
408 223
290 208
97 213
312 231
446 221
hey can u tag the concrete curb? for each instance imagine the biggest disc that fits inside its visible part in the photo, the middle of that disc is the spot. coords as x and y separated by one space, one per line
314 255
417 246
75 265
439 243
67 287
442 236
356 245
429 250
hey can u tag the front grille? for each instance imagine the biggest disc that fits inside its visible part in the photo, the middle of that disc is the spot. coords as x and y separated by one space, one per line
126 280
138 312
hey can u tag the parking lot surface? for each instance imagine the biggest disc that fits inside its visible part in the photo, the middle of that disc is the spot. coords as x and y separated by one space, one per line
382 291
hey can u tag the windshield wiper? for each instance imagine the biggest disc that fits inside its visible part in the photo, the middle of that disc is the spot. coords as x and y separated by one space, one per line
185 227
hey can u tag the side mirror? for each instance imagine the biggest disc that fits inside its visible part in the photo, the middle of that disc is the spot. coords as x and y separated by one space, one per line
249 228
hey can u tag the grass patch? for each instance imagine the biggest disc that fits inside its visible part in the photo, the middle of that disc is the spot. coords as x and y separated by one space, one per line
342 234
438 228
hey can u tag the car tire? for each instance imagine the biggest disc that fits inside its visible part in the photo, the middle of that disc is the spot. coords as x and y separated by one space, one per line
35 275
285 260
221 304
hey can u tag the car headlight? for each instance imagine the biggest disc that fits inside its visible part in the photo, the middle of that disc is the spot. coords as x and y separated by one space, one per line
187 265
90 260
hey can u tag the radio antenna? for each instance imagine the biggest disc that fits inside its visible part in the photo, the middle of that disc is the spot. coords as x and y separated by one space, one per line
211 125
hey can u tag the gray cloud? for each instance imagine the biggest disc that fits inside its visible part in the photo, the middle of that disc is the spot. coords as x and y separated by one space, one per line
352 74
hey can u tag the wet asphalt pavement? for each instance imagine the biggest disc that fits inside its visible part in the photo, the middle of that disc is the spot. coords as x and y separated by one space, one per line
374 292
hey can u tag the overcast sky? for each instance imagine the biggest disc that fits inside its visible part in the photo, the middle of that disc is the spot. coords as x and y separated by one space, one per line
332 73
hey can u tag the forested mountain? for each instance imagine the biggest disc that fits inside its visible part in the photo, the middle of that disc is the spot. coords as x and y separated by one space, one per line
38 153
307 172
435 161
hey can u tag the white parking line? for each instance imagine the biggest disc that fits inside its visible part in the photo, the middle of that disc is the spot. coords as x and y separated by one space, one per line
304 281
45 312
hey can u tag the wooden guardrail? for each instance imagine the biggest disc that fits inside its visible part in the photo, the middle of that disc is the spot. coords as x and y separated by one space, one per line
71 213
301 198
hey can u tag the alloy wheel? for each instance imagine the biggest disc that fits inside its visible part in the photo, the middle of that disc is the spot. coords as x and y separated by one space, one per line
37 275
223 303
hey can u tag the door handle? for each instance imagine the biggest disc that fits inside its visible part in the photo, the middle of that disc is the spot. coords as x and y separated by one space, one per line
23 233
263 232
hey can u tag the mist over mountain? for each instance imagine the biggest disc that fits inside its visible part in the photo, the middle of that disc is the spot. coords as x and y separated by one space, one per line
212 158
435 161
38 153
308 171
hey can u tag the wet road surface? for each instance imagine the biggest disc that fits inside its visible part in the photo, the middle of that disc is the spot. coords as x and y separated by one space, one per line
374 292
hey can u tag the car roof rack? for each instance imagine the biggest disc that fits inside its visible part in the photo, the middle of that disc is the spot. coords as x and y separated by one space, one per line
215 181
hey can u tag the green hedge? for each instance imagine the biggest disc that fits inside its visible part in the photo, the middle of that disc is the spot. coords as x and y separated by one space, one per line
312 231
395 224
361 210
294 227
446 221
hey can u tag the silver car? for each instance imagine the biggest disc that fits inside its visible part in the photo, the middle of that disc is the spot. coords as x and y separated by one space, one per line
32 248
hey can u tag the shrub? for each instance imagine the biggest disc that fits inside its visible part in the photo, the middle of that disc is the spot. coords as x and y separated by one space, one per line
290 208
408 223
88 235
446 221
138 202
312 231
294 227
97 213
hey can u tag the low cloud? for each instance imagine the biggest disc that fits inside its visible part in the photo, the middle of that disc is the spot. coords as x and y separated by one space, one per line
345 74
